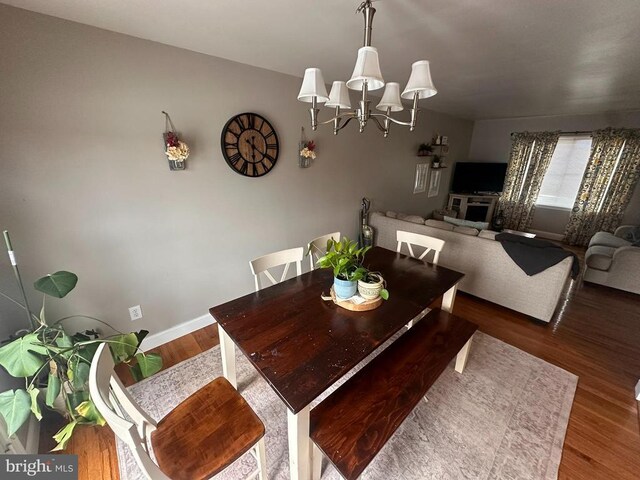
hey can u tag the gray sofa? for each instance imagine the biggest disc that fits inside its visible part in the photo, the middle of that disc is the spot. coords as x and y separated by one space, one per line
613 261
489 272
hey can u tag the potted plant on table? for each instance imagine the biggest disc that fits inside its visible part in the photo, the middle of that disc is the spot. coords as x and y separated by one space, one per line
345 259
372 286
425 149
55 365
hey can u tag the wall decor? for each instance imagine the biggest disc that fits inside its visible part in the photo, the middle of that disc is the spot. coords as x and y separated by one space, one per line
422 171
250 144
307 150
434 182
175 149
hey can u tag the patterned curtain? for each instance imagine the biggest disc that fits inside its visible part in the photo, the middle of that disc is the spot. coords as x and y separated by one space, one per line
530 157
608 183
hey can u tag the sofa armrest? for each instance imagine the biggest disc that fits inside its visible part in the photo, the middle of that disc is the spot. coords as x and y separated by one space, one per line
625 231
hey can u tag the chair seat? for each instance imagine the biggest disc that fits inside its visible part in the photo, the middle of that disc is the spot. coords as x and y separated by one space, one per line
206 433
606 239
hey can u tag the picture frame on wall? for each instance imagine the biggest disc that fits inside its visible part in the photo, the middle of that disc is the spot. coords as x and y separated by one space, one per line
422 172
434 183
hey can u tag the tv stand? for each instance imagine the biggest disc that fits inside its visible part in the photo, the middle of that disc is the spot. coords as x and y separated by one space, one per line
474 207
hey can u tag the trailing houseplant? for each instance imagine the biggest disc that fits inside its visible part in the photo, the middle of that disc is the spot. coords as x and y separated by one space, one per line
425 149
372 286
345 259
55 365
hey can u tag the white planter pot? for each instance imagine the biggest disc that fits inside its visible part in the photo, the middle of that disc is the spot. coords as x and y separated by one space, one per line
370 291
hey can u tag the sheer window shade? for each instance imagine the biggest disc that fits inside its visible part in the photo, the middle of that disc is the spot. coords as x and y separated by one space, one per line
564 175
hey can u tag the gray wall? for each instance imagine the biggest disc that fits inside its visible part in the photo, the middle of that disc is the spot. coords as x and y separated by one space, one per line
491 142
85 186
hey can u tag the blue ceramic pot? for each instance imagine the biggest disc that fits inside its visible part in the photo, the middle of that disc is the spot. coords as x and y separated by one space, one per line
344 288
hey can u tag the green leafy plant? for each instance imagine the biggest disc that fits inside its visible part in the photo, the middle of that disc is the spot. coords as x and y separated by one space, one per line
51 360
345 259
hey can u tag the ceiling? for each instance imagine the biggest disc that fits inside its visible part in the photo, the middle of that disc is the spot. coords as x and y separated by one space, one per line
489 59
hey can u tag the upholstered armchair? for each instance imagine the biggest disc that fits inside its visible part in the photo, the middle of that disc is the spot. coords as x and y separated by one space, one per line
613 260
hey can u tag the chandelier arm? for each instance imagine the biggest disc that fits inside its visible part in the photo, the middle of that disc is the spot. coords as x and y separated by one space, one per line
343 125
390 118
349 115
378 123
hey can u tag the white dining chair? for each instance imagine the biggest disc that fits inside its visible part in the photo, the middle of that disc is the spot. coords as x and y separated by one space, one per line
428 243
318 247
199 438
272 260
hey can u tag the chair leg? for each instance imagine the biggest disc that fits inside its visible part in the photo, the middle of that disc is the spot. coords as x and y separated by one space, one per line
261 457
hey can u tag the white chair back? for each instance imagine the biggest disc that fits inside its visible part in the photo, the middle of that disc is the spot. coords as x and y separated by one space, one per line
115 404
283 257
318 247
428 243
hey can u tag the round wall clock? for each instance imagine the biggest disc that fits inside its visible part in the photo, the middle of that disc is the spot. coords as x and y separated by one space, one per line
250 144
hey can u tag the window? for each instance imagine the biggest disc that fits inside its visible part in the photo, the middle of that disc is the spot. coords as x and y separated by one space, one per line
564 175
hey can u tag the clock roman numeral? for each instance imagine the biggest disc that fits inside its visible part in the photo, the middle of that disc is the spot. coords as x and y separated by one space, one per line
231 145
233 159
267 155
273 146
252 121
240 123
270 134
244 167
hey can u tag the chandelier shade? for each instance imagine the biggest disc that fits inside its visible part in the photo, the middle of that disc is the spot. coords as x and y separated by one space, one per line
367 70
420 81
339 96
313 87
391 98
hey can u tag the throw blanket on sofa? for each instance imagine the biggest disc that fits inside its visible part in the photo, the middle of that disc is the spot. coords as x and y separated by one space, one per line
533 255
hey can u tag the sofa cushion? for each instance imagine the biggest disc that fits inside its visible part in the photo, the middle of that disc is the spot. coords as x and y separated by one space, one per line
411 218
467 223
466 231
599 257
438 224
391 214
488 234
607 239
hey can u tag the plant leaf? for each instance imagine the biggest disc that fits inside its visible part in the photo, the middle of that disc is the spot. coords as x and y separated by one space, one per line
23 357
384 293
15 407
57 284
64 435
35 406
89 411
150 363
80 375
123 347
53 389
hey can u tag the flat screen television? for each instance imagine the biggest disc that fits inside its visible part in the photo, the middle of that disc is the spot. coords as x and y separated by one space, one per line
476 177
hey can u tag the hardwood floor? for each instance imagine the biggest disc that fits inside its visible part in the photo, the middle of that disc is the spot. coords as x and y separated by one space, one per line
595 335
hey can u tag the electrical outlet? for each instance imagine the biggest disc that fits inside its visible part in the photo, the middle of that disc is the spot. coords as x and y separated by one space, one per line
135 313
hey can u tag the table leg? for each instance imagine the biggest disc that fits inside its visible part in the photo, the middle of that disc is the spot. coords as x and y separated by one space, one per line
316 462
299 444
463 355
449 298
228 353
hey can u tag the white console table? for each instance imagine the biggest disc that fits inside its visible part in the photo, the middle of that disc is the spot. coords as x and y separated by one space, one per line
473 207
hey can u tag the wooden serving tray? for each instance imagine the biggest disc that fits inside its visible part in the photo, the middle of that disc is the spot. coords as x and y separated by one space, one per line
354 307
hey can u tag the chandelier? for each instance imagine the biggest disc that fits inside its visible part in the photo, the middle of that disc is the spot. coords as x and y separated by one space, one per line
366 77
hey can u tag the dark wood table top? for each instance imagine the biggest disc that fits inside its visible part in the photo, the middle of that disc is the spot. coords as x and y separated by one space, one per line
302 345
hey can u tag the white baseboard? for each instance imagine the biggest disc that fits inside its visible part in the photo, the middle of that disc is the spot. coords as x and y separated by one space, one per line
638 391
177 331
548 235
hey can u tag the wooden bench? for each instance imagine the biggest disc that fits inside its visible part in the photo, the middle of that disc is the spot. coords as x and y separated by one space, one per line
353 424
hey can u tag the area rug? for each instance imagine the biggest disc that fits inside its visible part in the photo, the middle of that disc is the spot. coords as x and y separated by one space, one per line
505 417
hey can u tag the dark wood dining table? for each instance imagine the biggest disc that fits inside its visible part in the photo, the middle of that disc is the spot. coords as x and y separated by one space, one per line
301 344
